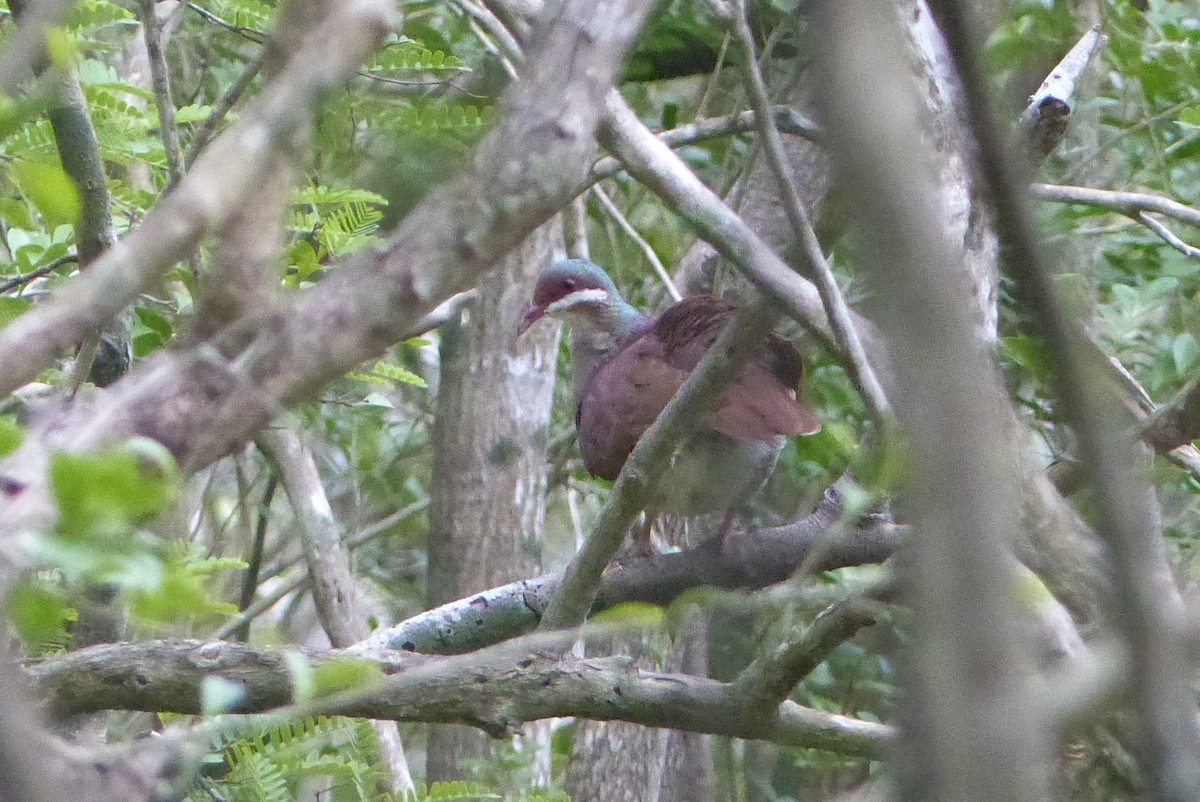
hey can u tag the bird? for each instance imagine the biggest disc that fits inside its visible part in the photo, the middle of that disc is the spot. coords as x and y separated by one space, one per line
627 367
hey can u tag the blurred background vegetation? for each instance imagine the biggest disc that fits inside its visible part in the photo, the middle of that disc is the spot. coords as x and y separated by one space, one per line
178 549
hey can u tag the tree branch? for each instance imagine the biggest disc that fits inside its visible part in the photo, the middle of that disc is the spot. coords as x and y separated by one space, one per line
498 690
1045 118
334 591
969 734
222 107
750 560
653 163
32 275
819 272
772 676
152 29
785 119
1167 236
201 202
1130 204
1151 612
623 223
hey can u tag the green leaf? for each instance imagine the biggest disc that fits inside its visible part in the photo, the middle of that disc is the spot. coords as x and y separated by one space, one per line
192 114
1190 117
106 493
176 593
151 331
11 309
40 616
384 373
1028 352
1185 352
636 615
324 196
11 436
49 189
345 674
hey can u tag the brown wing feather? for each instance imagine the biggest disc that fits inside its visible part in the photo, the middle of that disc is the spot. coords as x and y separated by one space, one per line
627 393
620 402
761 403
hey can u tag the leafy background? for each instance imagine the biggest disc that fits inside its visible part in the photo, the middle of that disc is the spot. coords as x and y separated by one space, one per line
404 125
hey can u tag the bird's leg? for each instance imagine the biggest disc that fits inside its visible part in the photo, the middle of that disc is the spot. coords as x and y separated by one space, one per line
726 528
642 543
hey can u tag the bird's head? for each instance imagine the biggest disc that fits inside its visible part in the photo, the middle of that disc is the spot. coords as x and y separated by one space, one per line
572 286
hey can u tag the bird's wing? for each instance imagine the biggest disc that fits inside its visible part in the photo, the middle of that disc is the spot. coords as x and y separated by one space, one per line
762 401
621 400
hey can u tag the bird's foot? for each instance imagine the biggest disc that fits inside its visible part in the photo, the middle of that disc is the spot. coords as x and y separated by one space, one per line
723 532
643 544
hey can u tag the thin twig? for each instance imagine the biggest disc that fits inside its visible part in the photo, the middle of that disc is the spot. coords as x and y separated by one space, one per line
1167 236
836 309
491 47
653 163
484 16
623 223
248 33
222 107
711 82
771 677
574 222
254 564
785 118
44 270
152 29
303 581
1129 204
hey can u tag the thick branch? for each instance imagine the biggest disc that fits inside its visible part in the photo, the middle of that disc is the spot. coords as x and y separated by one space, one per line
1150 611
970 734
203 401
497 690
209 194
1045 118
748 560
334 591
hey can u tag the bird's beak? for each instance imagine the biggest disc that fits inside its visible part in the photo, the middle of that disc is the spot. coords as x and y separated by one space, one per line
532 315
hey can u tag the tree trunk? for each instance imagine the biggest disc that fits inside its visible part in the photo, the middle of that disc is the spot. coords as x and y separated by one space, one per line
489 439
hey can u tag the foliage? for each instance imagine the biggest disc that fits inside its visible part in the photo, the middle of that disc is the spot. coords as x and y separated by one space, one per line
338 759
377 147
341 755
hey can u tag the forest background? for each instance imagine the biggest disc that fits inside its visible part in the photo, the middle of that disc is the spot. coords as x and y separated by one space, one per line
263 403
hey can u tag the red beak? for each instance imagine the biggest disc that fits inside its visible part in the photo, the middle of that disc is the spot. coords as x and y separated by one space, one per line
532 315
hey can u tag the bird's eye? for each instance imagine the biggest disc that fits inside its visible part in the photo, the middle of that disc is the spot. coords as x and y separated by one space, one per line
569 284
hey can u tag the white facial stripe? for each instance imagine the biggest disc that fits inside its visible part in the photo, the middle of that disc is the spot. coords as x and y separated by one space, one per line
576 299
